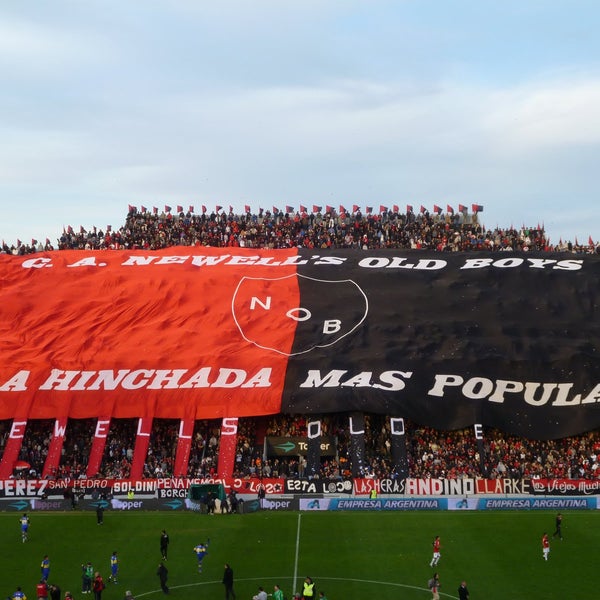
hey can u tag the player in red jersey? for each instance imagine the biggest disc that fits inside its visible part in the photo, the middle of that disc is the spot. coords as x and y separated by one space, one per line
435 559
545 546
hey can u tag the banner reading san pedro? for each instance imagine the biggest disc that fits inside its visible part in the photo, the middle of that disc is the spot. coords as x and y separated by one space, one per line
444 339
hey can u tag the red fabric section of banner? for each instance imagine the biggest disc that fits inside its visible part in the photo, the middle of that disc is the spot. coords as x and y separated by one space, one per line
184 446
98 445
12 448
136 334
55 447
227 447
140 451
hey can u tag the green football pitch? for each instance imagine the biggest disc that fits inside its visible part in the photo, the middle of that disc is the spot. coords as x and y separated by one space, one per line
381 555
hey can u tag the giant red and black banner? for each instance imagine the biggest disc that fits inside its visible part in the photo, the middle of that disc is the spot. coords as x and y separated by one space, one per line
446 340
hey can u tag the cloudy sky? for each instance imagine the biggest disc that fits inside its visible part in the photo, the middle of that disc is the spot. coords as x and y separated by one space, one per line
272 103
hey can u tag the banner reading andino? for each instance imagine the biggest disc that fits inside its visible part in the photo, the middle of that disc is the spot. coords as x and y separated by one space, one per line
446 340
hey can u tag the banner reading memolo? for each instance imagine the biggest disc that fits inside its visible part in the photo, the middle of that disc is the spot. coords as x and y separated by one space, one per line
447 340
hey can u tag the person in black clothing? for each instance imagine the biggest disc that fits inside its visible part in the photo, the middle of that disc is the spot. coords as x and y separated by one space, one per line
463 592
211 503
228 582
164 544
261 494
54 592
233 502
163 575
100 513
558 528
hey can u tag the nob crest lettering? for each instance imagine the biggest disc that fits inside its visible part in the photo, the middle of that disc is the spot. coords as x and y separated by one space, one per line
282 315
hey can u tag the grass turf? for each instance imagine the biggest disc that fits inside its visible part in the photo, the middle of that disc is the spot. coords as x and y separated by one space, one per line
350 555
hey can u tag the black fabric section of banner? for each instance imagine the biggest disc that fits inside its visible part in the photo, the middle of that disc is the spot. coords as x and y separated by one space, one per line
439 340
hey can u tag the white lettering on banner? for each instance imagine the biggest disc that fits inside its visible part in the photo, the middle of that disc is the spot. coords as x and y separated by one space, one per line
331 326
276 504
181 434
252 485
102 428
352 430
588 487
125 504
396 425
229 426
390 381
399 263
86 262
17 430
140 429
503 263
17 383
532 392
266 304
59 430
313 430
36 263
370 262
22 487
299 314
304 445
155 379
461 487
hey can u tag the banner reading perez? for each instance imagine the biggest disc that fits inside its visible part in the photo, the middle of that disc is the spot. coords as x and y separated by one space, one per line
447 340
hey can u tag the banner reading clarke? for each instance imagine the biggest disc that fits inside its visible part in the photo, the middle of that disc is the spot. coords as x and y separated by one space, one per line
446 340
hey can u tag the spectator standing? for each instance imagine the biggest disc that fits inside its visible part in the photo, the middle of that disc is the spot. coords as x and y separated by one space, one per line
308 589
261 595
545 546
164 544
277 593
228 582
261 494
54 592
434 586
558 526
163 576
201 551
114 567
45 568
463 592
435 559
24 520
41 590
98 586
233 502
18 594
87 576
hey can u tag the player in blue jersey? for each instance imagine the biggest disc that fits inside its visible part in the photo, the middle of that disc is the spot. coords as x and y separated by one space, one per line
114 567
201 551
19 595
24 527
45 568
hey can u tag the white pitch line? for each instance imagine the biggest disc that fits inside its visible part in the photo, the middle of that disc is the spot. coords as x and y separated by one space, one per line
297 552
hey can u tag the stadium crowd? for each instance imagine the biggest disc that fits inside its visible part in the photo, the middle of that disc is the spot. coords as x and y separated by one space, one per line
448 232
431 453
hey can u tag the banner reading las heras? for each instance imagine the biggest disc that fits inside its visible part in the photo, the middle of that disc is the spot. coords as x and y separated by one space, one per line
446 340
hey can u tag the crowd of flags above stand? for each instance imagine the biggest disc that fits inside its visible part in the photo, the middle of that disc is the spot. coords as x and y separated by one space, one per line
342 211
475 208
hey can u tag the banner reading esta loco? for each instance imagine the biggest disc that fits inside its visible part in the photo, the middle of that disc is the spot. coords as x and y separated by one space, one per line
446 340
